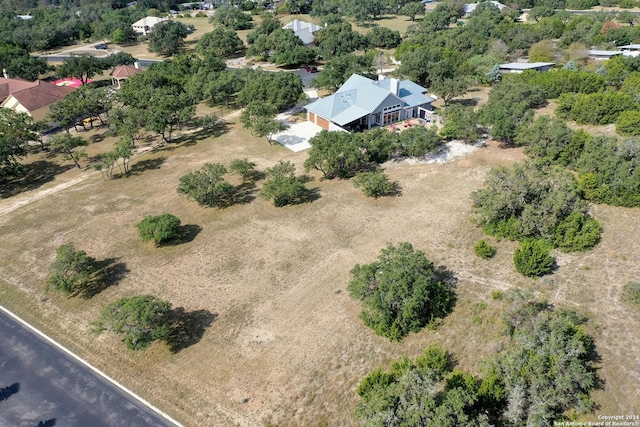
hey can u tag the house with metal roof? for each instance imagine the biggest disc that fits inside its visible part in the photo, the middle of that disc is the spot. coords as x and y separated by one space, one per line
629 47
603 55
520 67
304 30
362 103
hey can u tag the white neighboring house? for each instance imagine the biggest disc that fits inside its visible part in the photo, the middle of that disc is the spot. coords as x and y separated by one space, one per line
144 25
304 30
469 8
520 67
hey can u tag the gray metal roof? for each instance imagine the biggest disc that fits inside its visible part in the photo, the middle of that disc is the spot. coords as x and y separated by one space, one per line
525 65
597 52
631 46
360 96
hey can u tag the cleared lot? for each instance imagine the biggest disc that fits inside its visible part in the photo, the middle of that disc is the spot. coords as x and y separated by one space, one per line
286 344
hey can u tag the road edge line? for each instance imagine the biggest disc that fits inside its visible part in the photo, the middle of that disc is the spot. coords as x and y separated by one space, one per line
87 364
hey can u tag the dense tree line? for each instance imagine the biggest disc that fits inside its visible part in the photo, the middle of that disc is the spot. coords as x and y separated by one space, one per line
608 169
528 201
545 370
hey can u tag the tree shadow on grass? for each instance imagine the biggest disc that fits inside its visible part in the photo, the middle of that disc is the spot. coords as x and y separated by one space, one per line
244 193
186 233
472 102
144 165
109 272
35 175
7 392
211 129
187 328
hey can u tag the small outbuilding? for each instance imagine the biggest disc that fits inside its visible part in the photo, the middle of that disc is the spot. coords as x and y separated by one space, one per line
122 73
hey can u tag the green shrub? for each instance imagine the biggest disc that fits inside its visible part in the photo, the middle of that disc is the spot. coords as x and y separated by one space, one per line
497 294
484 250
631 293
577 232
141 319
374 184
533 258
71 271
628 123
158 228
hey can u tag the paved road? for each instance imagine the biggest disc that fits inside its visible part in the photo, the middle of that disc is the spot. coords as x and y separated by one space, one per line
42 386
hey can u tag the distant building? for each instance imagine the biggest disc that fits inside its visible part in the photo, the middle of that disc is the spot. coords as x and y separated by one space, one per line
144 25
36 99
630 47
603 55
519 67
362 103
469 8
304 30
122 73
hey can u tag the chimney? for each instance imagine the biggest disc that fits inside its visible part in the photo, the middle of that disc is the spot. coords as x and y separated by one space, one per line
136 64
394 85
5 74
380 77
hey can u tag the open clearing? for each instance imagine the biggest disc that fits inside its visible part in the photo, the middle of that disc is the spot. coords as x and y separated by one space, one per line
286 344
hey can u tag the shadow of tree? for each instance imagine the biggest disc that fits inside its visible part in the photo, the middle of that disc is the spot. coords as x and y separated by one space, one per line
210 129
472 102
7 392
109 272
186 233
243 193
35 174
49 423
148 164
187 328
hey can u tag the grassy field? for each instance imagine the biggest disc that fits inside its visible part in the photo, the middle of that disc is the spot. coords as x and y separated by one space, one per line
285 344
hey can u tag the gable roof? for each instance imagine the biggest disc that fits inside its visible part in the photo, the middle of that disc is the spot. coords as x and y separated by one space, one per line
304 30
124 71
359 96
9 86
148 21
42 95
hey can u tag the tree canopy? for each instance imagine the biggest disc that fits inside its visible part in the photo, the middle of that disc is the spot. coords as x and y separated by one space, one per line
167 37
71 271
400 292
207 186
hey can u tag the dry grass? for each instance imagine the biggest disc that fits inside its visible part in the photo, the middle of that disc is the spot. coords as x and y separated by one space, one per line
287 336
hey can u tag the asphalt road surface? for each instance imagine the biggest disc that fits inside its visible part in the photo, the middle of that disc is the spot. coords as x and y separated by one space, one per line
41 386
